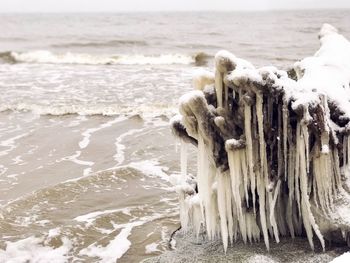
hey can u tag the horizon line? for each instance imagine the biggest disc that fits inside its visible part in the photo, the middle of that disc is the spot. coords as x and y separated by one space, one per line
177 11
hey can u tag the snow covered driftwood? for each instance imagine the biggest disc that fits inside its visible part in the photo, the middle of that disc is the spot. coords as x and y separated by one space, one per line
273 148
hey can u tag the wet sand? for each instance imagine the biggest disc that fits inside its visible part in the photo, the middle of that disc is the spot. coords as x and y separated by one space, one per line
190 250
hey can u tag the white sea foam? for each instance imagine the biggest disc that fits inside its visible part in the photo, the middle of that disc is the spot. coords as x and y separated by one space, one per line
10 143
31 250
47 57
150 168
87 134
114 250
151 248
91 217
74 159
118 246
119 156
88 110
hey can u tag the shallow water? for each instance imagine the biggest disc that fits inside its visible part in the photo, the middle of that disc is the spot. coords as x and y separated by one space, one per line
85 101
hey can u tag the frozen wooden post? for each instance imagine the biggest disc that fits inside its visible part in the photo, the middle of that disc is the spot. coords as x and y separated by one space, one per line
270 145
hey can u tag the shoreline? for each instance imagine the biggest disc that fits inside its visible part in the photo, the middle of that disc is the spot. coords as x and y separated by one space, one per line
288 250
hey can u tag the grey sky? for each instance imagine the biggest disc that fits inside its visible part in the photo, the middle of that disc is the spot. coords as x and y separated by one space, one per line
162 5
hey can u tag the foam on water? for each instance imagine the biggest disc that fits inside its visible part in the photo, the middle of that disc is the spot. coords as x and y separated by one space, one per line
91 217
74 158
114 250
10 143
110 228
150 248
119 156
32 249
150 168
45 56
89 110
87 134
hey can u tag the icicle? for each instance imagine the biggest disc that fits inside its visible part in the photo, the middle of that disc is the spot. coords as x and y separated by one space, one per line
316 173
253 231
336 167
243 227
285 121
272 211
229 209
234 161
249 151
197 214
326 165
289 219
221 191
297 166
184 219
183 161
238 172
226 92
304 130
183 212
308 218
280 157
261 193
218 88
260 116
261 182
249 227
303 187
245 175
291 176
324 175
235 220
345 150
205 178
334 175
212 207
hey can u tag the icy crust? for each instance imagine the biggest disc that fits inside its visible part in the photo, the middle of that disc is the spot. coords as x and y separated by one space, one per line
272 148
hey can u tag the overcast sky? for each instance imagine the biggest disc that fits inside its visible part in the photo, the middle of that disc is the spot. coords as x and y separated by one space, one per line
162 5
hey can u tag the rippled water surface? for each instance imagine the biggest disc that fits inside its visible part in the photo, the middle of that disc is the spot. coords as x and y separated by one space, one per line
85 101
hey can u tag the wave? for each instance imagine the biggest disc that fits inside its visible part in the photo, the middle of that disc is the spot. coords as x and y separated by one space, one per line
47 57
100 44
108 110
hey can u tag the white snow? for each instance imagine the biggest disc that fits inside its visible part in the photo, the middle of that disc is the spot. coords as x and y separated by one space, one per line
345 258
202 78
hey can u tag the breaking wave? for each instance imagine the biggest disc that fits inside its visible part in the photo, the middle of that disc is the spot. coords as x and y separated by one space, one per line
85 110
47 57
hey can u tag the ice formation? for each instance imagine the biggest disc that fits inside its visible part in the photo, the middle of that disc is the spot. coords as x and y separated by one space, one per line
273 148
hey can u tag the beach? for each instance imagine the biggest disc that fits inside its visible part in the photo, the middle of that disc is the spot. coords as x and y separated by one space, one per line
86 151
